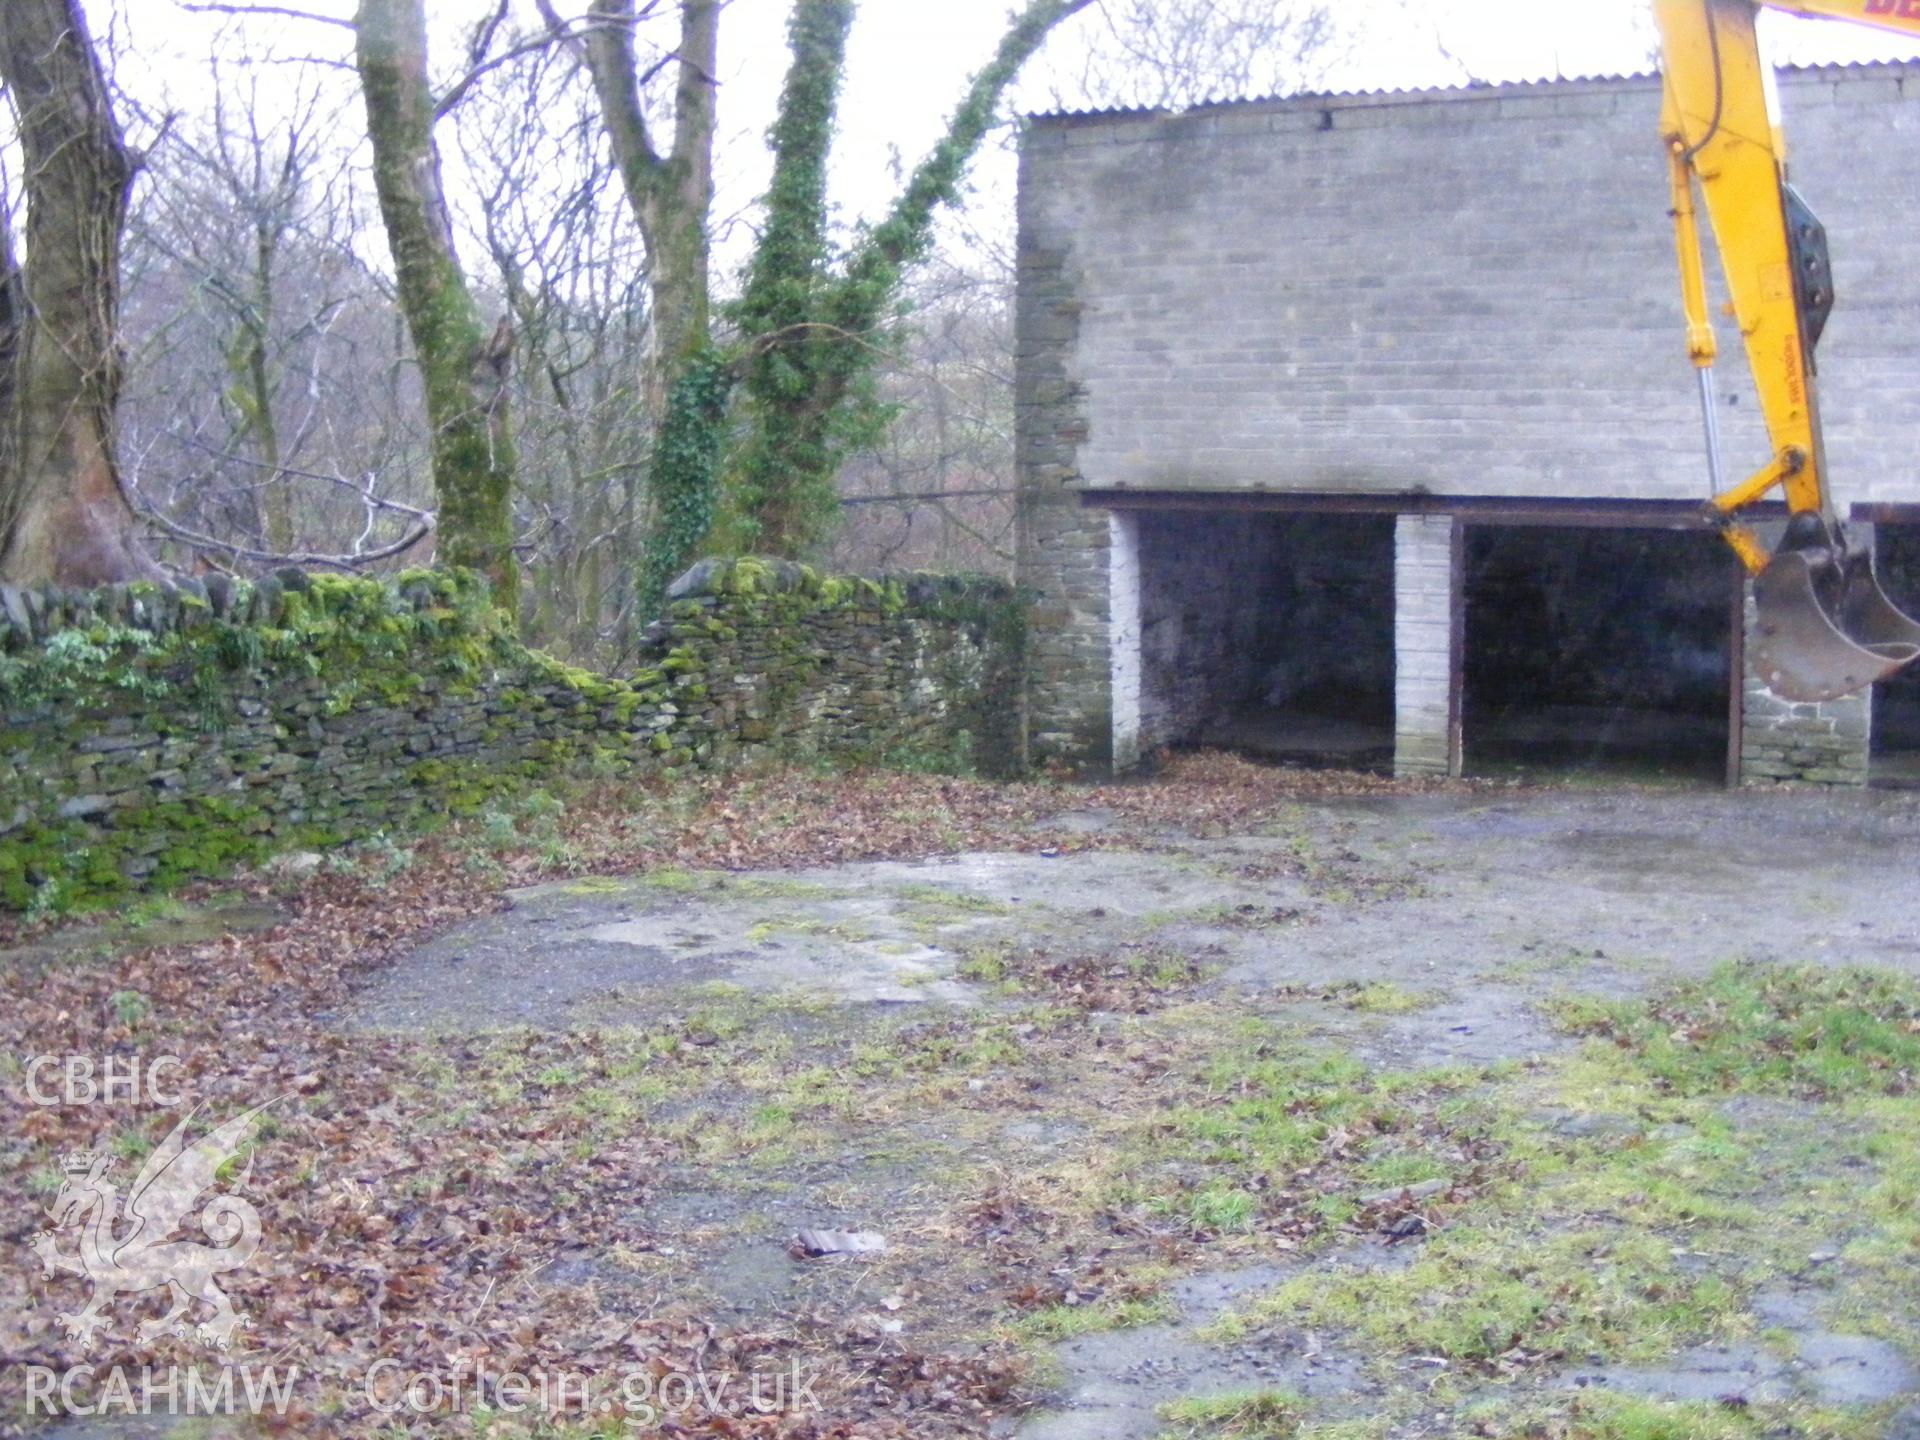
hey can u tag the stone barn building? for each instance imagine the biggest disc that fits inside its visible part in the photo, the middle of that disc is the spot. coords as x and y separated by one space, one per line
1362 426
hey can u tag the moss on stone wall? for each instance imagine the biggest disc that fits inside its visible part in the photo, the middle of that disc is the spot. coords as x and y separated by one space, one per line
155 737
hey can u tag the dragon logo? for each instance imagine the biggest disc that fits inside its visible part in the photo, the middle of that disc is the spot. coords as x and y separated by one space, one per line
141 1255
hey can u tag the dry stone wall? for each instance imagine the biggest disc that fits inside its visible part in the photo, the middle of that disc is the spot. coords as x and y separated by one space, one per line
153 737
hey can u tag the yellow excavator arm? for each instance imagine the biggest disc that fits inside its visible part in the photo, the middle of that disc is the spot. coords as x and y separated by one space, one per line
1824 627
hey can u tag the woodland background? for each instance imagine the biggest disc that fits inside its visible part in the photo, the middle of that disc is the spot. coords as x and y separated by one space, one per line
374 285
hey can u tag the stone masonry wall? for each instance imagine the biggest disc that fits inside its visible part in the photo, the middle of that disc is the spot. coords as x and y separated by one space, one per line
1458 292
1444 293
151 738
1784 741
1423 621
1063 545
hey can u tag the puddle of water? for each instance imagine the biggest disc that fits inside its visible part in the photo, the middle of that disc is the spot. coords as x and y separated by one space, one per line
1706 1374
1855 1370
1499 825
1826 1367
1121 1380
1116 1382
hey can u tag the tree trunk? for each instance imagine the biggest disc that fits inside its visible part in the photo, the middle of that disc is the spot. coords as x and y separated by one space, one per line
64 515
464 373
811 330
13 330
670 194
787 473
276 496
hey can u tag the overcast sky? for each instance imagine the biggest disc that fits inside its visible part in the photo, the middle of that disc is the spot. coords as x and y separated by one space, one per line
909 59
911 54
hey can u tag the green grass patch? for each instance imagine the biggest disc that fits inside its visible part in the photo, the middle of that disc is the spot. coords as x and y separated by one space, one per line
1798 1030
1400 1168
1223 1209
985 966
1237 1415
955 903
680 881
156 910
1601 1415
1473 1295
596 885
772 887
1054 1323
1264 1131
1272 1106
1385 998
851 932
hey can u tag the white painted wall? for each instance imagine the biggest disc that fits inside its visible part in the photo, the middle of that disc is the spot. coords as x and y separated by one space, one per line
1123 630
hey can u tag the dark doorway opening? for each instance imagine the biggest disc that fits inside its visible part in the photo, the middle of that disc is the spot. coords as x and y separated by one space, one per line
1270 634
1608 651
1896 702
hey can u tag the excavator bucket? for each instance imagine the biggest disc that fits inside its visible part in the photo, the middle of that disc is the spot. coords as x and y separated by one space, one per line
1827 629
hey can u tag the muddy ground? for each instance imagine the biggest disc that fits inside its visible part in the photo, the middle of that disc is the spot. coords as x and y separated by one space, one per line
1412 933
1475 1112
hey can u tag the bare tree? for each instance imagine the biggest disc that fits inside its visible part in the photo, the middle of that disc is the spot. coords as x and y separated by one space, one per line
64 516
571 267
290 396
670 192
247 310
1168 54
935 491
463 371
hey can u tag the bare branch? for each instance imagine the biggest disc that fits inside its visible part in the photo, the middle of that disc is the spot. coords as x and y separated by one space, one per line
300 557
486 30
466 82
365 492
211 7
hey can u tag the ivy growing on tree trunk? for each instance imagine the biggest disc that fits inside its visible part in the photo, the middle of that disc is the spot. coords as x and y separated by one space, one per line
810 329
686 467
785 476
814 331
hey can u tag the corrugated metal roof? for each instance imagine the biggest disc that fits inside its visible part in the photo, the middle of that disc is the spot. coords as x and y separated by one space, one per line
1474 90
